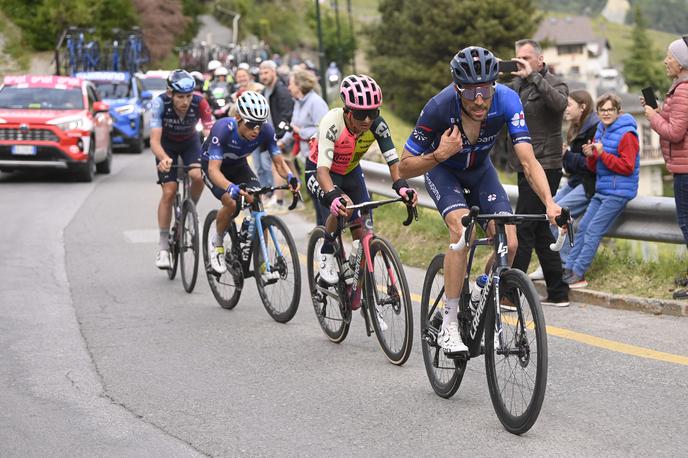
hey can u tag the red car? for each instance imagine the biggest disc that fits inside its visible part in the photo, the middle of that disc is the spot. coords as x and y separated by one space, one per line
55 122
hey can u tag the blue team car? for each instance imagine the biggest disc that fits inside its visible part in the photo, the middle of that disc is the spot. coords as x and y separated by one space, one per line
127 99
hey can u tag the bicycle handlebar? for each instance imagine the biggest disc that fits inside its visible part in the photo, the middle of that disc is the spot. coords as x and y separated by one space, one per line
411 211
564 222
256 192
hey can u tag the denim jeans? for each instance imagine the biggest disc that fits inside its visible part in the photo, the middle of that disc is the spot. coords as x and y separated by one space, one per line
681 197
576 201
598 219
262 164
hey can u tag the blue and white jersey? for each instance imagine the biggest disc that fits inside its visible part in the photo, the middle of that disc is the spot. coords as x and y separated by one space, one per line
444 110
226 144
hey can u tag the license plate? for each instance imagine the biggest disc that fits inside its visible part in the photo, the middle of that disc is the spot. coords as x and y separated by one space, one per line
24 150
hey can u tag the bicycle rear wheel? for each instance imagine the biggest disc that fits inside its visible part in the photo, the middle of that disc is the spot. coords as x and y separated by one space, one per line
279 289
389 302
334 318
226 287
445 374
188 242
517 373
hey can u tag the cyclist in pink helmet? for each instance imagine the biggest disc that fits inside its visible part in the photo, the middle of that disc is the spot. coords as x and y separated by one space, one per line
332 169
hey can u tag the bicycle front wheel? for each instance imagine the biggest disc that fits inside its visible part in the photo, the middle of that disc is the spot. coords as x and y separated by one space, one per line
389 302
188 242
174 251
517 371
226 287
280 287
445 374
334 319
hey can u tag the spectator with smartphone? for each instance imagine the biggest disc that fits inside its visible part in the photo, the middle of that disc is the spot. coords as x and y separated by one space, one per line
615 159
544 97
671 123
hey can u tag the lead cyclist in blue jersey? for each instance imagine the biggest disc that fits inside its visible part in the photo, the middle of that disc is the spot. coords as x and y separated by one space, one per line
451 144
224 165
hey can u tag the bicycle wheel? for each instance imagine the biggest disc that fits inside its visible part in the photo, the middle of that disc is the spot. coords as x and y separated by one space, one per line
188 246
389 302
226 287
445 374
279 289
517 373
334 318
174 251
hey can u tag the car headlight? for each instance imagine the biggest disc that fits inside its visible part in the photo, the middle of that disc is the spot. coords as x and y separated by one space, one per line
71 125
125 109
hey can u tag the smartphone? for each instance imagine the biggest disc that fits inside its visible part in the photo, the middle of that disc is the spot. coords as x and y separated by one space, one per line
508 66
649 96
284 126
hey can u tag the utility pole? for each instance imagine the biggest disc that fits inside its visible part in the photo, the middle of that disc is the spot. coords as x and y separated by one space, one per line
321 52
340 59
351 32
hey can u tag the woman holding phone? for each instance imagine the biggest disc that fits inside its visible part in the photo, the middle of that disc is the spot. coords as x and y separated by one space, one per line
670 121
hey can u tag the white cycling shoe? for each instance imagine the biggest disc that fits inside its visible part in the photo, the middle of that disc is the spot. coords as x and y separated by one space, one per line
450 341
162 260
217 258
328 268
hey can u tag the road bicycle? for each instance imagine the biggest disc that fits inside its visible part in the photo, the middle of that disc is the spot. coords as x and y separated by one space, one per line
73 48
266 240
374 275
508 314
135 52
115 54
183 238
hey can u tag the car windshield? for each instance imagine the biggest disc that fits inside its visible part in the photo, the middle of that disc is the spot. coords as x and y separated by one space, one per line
154 84
41 98
110 90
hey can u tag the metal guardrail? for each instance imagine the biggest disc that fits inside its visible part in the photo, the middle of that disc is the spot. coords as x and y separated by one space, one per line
647 218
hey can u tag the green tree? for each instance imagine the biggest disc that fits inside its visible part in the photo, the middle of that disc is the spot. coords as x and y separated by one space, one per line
413 44
340 47
643 67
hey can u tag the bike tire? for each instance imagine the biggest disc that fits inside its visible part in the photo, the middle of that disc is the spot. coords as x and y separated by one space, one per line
507 397
331 315
445 374
394 308
188 242
227 287
280 298
174 251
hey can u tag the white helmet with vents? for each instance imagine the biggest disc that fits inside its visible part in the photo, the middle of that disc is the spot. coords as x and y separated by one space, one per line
252 106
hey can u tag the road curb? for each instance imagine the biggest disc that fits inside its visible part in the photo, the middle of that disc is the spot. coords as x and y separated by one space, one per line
623 301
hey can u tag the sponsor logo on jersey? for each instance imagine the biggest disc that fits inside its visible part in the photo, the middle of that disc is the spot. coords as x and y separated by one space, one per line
518 119
332 133
382 130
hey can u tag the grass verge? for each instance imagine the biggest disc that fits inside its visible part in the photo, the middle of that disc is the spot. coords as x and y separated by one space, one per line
14 45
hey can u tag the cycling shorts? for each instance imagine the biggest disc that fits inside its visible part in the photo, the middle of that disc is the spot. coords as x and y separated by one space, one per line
237 173
452 189
189 151
352 184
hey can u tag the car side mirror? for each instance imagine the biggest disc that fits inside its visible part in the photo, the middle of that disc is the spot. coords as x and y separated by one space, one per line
147 95
100 107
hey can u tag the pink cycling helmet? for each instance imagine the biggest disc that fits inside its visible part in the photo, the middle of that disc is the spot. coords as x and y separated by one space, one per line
360 92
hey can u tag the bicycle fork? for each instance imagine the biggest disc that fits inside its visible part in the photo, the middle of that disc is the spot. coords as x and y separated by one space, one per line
263 246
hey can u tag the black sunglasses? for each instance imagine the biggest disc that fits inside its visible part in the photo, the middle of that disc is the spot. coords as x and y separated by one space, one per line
361 115
253 125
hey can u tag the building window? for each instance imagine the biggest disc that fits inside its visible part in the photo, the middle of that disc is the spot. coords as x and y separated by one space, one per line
569 49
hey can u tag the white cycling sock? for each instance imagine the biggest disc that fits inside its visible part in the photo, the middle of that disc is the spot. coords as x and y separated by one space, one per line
217 240
451 308
164 242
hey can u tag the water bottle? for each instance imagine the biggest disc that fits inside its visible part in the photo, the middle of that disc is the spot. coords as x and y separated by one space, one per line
477 291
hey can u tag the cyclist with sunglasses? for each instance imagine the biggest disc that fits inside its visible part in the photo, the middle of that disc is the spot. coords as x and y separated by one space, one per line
333 170
224 165
173 135
451 144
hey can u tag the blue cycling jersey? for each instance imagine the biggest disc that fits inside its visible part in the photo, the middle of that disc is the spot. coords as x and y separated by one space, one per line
443 111
226 144
163 115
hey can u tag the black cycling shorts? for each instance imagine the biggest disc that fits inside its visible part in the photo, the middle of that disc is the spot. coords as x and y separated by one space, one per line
352 184
189 151
238 173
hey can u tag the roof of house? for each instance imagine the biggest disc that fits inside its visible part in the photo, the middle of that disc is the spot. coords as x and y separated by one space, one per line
568 31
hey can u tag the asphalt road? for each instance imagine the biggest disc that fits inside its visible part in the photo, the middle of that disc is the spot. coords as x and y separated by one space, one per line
102 355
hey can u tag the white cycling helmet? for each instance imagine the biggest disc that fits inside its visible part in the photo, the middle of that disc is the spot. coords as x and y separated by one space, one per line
221 71
252 106
213 65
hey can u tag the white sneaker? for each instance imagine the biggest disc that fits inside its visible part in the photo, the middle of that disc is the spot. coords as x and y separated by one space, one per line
380 321
217 258
162 260
328 268
267 276
538 274
450 341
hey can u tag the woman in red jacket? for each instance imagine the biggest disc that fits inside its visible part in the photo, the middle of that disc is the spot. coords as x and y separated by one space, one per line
671 123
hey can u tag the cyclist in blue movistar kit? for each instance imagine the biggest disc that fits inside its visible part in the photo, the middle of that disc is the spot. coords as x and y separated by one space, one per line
173 135
224 165
451 144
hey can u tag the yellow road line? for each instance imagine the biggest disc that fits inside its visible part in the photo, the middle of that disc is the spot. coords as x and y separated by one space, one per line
593 341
